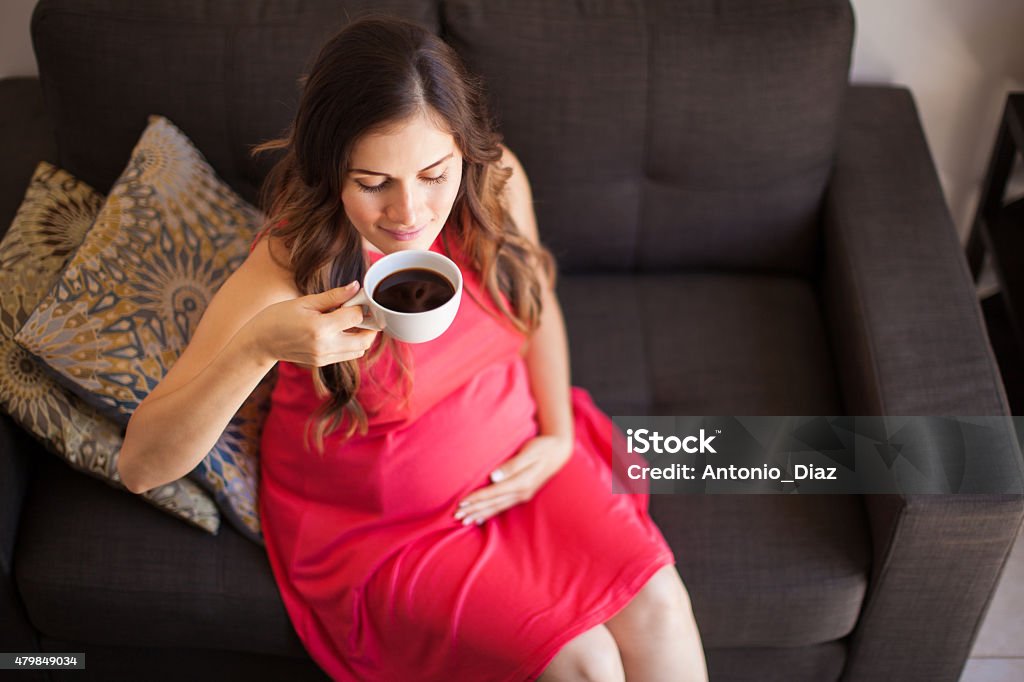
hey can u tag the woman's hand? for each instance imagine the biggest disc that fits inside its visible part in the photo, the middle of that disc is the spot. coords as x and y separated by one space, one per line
310 330
518 479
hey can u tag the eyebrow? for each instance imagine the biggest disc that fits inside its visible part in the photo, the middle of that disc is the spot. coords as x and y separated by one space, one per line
370 172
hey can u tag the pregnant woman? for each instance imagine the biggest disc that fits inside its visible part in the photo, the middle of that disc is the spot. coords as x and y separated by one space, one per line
435 511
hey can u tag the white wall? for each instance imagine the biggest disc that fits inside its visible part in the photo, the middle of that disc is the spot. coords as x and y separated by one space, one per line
16 57
958 57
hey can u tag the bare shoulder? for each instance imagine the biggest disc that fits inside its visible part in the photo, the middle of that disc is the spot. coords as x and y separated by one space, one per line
518 183
267 267
518 195
509 159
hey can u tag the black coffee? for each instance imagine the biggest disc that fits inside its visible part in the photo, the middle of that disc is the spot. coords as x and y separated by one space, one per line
413 290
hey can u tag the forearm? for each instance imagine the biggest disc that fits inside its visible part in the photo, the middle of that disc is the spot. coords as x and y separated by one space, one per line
547 359
170 435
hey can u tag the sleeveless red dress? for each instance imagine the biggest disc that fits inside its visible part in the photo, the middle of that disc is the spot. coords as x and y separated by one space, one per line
379 579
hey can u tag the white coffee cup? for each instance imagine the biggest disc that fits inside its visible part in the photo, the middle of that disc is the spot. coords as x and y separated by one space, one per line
417 327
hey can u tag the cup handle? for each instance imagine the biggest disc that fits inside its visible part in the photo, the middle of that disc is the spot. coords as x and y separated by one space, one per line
361 299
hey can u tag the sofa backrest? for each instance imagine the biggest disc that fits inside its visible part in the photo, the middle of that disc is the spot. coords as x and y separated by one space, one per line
224 72
657 134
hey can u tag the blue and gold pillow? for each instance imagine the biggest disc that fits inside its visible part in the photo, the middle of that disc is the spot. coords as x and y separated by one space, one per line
168 236
48 228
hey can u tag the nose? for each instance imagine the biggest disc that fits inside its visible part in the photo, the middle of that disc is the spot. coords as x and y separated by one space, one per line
402 212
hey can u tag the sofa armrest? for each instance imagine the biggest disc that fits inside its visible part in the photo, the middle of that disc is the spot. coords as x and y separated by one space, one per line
906 326
17 458
909 339
26 138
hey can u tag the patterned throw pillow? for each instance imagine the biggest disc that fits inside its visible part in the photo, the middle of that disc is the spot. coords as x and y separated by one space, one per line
129 301
50 224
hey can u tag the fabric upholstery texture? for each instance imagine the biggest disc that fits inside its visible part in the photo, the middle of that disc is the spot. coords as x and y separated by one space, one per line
167 237
756 344
51 223
763 550
909 339
896 290
704 155
237 83
142 578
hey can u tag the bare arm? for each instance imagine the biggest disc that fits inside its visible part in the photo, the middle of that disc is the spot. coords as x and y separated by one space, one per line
547 357
547 362
254 320
169 435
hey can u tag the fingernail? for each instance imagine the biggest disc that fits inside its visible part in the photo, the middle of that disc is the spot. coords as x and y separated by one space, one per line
463 503
466 522
497 476
351 284
459 515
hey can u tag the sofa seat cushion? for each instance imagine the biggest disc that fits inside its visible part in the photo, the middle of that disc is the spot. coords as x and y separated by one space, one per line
124 664
699 344
97 566
762 570
768 571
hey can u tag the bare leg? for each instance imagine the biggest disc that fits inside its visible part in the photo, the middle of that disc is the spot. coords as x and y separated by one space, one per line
591 657
657 635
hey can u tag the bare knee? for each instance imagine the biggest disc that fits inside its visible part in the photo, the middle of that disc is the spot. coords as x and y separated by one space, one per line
591 657
666 593
662 603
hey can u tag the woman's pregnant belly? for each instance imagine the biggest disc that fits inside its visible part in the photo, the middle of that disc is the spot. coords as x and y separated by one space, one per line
422 468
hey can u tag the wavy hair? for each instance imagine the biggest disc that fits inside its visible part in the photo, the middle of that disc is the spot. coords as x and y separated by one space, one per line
375 73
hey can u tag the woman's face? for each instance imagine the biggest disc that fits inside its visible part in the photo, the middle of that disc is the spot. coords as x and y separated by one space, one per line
401 184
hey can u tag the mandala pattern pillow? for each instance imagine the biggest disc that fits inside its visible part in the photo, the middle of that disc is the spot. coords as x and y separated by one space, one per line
49 226
168 236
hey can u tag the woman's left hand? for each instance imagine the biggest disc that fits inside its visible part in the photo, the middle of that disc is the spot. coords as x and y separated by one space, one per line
518 479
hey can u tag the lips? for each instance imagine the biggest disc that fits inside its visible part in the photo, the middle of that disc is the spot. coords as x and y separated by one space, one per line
405 235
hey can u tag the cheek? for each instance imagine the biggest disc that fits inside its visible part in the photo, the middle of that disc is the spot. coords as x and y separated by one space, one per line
360 207
446 198
441 201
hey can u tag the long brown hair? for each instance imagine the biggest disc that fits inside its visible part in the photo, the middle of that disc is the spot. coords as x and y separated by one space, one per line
376 72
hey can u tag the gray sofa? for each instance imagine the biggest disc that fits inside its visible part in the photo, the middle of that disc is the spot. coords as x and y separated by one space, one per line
705 160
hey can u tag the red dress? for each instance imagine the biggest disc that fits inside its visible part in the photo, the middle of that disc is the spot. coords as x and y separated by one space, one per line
381 582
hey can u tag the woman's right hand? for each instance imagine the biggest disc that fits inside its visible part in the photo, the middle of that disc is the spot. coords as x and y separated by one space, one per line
310 330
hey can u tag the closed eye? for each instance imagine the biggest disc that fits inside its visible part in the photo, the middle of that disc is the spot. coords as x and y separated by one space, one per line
436 180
